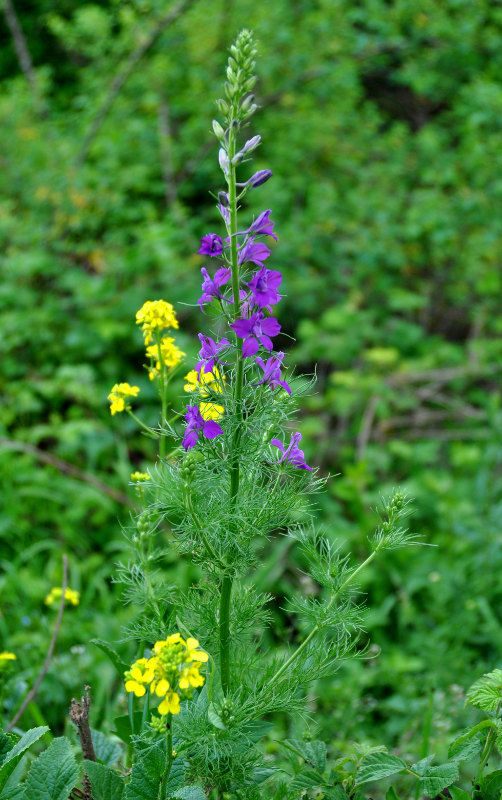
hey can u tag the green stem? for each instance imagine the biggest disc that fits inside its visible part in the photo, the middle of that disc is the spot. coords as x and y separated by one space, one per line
163 398
169 757
226 591
299 650
142 424
487 749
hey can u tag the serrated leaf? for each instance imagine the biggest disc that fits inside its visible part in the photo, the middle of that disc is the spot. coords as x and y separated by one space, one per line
334 793
7 742
438 778
459 794
15 754
54 774
486 692
106 783
256 729
189 793
106 751
306 779
14 793
312 752
492 783
377 766
112 655
148 771
214 718
468 743
123 726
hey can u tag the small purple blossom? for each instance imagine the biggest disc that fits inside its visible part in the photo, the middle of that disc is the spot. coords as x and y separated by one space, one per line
211 286
195 425
253 251
292 454
263 224
209 353
272 372
225 212
258 178
264 285
224 161
211 245
250 145
255 330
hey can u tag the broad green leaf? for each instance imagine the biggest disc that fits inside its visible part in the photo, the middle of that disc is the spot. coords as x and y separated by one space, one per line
306 779
113 656
14 755
214 718
468 744
486 693
256 729
189 793
438 778
258 775
459 794
7 742
334 793
54 774
313 752
147 772
492 783
123 726
106 783
14 793
106 751
391 794
377 766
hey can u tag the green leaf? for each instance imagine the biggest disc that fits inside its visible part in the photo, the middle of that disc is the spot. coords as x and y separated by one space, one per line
313 752
112 654
146 773
54 774
106 783
7 742
106 751
256 729
377 766
15 754
14 793
391 794
438 778
486 692
334 793
123 726
190 793
306 779
468 744
492 783
214 718
459 794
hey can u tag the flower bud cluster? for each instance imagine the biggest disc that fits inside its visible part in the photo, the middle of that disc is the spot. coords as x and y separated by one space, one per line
240 82
171 673
55 595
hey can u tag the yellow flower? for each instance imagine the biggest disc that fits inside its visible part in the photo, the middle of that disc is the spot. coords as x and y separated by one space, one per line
155 315
170 704
211 411
206 382
171 356
191 676
56 593
6 656
192 653
140 675
140 476
118 394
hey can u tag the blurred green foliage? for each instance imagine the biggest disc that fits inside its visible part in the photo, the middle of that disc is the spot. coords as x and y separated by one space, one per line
382 124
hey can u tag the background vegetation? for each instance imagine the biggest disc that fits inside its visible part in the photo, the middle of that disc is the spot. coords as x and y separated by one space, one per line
382 123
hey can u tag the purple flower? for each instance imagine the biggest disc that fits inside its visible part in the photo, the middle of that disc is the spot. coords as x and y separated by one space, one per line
250 145
264 285
292 454
258 178
195 425
253 251
254 330
224 162
272 372
211 245
225 212
263 224
209 353
211 286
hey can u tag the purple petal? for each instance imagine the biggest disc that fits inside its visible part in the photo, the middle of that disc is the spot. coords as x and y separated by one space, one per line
250 347
278 444
270 326
241 327
211 429
266 342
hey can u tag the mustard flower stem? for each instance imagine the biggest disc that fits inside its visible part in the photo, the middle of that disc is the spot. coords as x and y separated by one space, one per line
315 630
136 419
163 398
169 757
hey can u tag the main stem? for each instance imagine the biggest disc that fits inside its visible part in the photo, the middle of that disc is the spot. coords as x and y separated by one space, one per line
299 650
169 757
226 581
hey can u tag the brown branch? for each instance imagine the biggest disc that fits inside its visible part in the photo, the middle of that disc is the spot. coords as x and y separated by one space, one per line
20 44
79 715
66 468
31 694
125 71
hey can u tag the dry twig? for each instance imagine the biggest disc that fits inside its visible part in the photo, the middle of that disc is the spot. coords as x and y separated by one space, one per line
79 715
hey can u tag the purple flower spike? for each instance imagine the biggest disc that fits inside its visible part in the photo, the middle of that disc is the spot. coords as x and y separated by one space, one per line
211 245
255 330
253 251
264 285
258 178
195 425
209 353
272 372
264 225
211 286
292 454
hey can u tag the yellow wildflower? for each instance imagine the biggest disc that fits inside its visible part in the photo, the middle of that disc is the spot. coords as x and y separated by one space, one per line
56 593
206 382
6 656
171 356
140 675
140 476
170 704
118 394
155 316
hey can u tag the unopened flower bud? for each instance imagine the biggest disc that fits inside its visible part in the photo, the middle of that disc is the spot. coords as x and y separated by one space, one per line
247 102
224 162
218 130
223 199
222 106
258 178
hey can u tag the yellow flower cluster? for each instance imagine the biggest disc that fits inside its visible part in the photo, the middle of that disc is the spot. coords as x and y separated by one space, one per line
205 383
171 356
154 316
5 664
172 672
140 476
6 656
118 394
56 593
